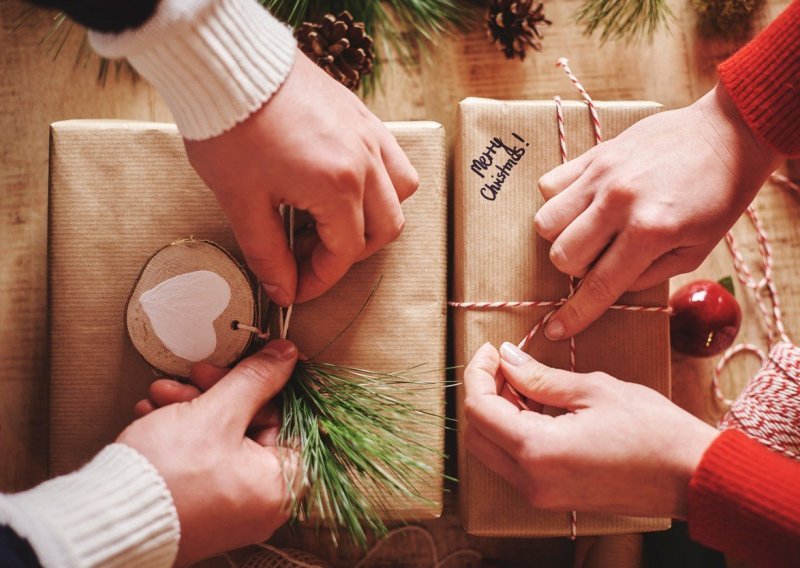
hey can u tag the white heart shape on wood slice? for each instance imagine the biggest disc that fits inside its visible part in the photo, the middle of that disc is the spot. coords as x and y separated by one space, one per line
182 311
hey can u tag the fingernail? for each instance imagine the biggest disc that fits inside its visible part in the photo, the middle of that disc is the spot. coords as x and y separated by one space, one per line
513 354
277 294
554 330
280 349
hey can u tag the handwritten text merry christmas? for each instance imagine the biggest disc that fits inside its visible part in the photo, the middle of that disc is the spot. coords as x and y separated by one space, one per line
501 159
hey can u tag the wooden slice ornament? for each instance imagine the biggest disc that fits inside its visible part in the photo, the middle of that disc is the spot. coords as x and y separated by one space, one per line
186 306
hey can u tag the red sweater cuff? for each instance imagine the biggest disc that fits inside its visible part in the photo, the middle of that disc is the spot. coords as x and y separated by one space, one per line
763 79
745 500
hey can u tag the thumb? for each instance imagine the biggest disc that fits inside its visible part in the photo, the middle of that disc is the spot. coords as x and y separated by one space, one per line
252 383
543 384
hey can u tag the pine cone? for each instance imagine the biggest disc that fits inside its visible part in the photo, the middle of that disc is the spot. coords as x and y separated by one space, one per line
340 46
513 24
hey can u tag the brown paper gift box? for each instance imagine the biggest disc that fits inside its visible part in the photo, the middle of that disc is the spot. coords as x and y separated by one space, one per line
498 256
119 191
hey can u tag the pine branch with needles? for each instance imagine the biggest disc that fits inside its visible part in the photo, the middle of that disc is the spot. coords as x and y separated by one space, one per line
359 443
623 19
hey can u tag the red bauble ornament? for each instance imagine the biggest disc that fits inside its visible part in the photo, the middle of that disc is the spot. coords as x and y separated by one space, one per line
705 318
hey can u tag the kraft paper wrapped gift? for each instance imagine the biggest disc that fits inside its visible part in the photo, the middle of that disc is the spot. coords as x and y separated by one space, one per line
499 257
120 191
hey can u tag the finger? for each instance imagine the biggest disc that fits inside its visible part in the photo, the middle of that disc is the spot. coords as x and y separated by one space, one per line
263 242
205 375
383 217
561 210
342 241
492 456
514 398
558 179
143 408
582 242
617 269
267 437
252 383
404 178
545 385
268 416
164 392
485 410
679 261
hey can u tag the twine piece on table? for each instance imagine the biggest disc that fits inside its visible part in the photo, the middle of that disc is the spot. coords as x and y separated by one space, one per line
415 543
574 283
763 290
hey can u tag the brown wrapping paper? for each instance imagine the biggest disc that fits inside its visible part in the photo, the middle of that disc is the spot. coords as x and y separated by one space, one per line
119 191
499 256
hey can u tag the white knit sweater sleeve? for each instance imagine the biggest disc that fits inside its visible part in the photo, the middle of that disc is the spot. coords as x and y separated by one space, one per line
215 62
115 511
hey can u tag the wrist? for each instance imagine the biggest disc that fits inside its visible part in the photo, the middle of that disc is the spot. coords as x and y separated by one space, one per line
744 154
698 437
116 509
214 62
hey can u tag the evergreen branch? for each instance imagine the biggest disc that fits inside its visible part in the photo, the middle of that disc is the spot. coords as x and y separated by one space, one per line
356 440
623 19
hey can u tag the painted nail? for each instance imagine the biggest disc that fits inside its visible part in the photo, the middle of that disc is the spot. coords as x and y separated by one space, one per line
277 294
513 354
554 330
280 349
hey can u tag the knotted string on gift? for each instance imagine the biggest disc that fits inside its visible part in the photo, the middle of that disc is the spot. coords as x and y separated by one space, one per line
574 284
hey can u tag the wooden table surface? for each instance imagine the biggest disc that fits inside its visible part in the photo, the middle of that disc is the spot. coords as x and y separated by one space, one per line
678 67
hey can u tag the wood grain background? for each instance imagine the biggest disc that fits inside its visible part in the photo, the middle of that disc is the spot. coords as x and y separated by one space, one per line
678 67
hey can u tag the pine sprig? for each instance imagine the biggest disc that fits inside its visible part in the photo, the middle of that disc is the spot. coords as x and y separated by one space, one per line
623 19
358 444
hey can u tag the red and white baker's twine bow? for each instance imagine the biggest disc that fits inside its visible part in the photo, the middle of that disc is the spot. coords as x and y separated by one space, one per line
574 283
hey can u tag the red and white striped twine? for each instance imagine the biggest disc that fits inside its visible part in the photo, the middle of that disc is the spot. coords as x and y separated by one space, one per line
764 291
574 284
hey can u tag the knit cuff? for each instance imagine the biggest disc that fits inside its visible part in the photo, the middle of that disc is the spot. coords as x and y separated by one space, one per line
763 79
741 494
115 511
215 62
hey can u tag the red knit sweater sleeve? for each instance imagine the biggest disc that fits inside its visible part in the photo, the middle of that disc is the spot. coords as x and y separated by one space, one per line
763 79
745 501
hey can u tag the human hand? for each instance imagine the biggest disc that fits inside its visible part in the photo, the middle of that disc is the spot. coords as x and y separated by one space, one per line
620 448
649 204
230 489
315 146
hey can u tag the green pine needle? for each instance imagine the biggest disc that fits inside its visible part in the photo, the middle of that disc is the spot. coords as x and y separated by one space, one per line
623 19
359 444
